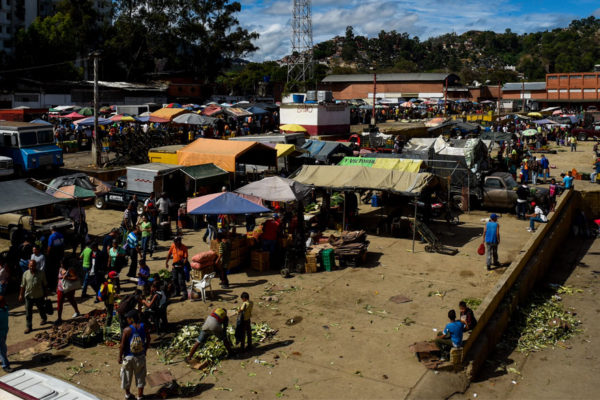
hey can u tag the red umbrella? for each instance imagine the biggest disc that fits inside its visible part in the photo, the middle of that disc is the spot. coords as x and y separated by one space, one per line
72 115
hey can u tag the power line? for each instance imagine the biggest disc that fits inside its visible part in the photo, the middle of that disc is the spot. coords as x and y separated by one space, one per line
41 66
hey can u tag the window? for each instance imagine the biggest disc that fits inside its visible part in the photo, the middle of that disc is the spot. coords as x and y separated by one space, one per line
27 98
493 184
27 139
45 137
552 78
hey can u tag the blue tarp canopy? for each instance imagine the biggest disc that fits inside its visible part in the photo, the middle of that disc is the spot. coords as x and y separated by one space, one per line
89 121
223 203
257 110
322 150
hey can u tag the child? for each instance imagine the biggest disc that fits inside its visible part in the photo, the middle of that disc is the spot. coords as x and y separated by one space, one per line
143 276
467 317
246 314
107 294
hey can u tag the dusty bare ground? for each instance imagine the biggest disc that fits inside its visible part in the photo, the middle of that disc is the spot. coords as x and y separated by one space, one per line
352 341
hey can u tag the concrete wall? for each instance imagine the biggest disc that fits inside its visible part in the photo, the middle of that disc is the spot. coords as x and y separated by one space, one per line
515 285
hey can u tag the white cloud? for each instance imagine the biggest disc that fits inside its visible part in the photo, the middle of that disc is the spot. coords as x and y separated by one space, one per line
423 18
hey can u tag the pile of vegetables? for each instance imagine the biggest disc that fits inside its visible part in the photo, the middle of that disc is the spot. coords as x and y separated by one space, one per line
164 274
213 350
543 322
337 199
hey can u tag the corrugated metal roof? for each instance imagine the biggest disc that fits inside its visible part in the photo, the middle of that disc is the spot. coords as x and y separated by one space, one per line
509 86
402 77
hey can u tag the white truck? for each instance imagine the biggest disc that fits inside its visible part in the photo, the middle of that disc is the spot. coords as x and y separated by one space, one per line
26 384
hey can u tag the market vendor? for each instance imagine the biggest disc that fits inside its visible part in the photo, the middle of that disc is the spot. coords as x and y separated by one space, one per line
269 236
215 324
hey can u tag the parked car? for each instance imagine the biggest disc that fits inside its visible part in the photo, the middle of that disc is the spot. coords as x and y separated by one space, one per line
586 133
499 190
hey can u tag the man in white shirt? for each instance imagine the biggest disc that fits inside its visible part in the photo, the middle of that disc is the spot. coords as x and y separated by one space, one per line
39 258
163 204
537 216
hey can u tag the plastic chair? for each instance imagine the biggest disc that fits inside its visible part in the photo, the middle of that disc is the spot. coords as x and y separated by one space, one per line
204 283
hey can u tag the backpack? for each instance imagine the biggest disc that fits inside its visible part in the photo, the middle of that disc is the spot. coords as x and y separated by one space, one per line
103 292
136 343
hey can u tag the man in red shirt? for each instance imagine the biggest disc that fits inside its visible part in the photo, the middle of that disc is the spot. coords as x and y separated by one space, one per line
269 236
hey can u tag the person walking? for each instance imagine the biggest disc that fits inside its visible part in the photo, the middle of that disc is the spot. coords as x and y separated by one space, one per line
573 143
33 291
133 248
146 228
3 334
491 238
179 252
211 227
545 165
132 355
56 251
65 289
86 263
40 258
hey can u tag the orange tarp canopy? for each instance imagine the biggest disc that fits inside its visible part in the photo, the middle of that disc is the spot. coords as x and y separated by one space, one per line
226 153
168 113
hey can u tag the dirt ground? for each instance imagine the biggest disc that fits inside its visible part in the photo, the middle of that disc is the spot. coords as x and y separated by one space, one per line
351 341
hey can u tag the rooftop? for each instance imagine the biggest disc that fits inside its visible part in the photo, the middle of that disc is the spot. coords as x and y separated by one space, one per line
396 77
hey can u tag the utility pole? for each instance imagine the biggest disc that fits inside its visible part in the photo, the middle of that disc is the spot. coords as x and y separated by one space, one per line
373 119
96 142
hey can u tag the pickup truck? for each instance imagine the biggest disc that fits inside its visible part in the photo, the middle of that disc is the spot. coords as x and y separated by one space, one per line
586 133
120 196
499 190
10 221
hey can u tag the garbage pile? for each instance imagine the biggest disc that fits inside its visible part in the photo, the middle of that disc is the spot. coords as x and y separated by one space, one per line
214 350
80 329
544 322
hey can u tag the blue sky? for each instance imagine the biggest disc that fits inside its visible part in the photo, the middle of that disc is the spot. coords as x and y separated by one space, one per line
422 18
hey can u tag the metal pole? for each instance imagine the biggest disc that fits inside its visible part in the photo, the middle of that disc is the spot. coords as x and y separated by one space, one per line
414 227
344 214
373 120
96 143
446 98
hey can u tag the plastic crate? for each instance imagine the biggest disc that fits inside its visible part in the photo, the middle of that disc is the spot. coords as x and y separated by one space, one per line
328 258
86 342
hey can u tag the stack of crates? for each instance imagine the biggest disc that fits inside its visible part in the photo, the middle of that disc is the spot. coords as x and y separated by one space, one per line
328 259
259 260
311 263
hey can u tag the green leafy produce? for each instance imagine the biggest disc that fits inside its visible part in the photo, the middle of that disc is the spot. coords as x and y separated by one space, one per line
472 302
542 323
164 274
336 199
213 350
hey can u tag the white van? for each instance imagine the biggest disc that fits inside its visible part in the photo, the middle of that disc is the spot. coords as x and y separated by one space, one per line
26 384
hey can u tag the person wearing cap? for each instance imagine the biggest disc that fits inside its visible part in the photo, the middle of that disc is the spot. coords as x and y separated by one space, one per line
215 324
179 252
107 294
537 216
491 238
132 355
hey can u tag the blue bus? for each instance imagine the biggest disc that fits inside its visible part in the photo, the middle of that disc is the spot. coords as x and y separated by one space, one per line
31 146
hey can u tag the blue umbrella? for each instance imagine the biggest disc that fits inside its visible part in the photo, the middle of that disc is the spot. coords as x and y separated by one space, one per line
89 121
223 203
257 110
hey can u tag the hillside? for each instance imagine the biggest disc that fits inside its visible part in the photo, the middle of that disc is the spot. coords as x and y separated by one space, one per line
475 55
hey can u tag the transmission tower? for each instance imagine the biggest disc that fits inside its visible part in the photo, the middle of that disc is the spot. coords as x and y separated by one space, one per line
300 62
